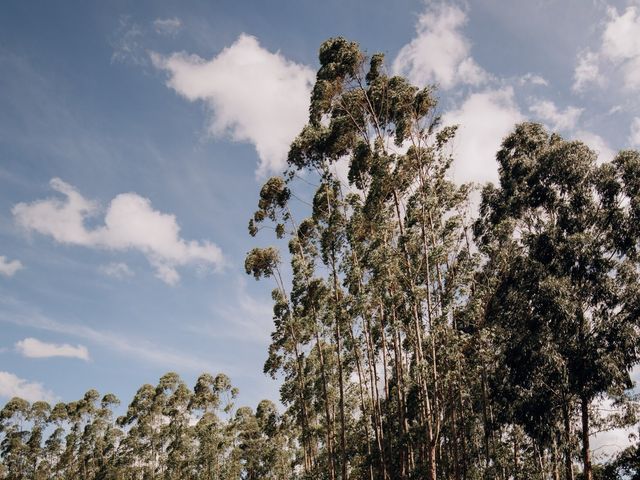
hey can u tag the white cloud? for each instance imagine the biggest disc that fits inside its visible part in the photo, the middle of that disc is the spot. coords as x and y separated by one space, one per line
485 118
253 95
595 143
118 270
621 44
558 120
620 48
440 52
14 386
9 268
621 37
167 26
130 223
34 348
587 71
533 79
634 134
615 109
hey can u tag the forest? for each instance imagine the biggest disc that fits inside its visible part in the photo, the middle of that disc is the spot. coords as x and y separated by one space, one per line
422 329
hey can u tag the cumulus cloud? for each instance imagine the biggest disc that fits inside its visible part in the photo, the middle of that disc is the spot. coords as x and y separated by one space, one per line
548 112
130 223
14 386
485 118
118 270
9 268
634 134
439 52
167 26
34 348
620 48
253 95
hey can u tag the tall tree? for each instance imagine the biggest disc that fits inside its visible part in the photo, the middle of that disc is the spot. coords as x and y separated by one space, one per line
561 234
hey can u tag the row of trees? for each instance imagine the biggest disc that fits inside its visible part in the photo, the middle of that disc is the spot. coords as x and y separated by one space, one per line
168 432
412 340
417 342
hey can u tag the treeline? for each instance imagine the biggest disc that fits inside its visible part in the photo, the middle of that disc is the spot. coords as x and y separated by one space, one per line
413 339
168 432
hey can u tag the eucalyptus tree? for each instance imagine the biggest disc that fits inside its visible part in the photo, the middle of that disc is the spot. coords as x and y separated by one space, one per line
561 233
212 438
379 269
13 426
177 433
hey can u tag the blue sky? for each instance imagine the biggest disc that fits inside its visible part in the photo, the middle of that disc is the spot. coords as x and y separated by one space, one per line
134 137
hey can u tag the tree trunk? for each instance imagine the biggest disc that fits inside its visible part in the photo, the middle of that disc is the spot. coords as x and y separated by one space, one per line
568 464
586 454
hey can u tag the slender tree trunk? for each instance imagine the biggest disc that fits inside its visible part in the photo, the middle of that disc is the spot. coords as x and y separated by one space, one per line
586 453
361 389
568 463
338 335
554 458
515 455
332 470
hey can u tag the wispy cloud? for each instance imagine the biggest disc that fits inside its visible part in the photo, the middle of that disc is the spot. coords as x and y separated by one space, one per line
587 71
34 348
243 317
22 315
167 26
634 132
533 79
13 386
130 223
9 268
127 43
117 270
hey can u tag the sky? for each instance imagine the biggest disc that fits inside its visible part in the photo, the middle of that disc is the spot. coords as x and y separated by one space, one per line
134 138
